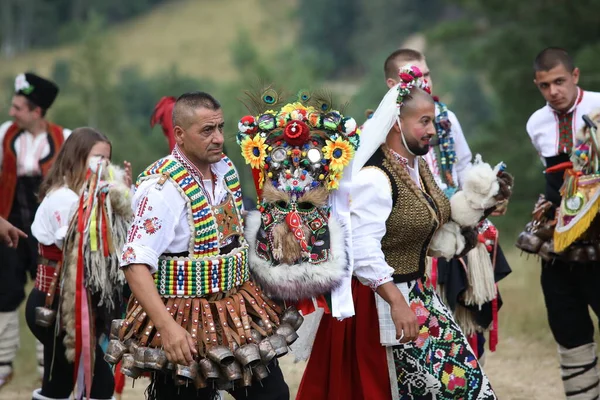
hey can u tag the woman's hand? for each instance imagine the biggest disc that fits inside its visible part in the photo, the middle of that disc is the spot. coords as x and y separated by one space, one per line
405 320
128 176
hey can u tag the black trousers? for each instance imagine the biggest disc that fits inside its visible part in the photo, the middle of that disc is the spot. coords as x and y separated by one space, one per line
271 388
17 264
569 288
58 380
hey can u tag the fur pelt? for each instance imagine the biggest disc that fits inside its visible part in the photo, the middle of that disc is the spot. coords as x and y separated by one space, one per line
462 211
447 241
297 281
481 185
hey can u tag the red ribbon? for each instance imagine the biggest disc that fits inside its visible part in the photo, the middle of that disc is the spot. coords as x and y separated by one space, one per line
434 271
473 342
494 331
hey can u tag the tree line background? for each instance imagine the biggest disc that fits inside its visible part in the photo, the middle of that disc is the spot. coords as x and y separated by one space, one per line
480 54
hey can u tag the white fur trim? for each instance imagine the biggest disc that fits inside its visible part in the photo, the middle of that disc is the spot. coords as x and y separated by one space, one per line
481 184
447 241
297 281
462 212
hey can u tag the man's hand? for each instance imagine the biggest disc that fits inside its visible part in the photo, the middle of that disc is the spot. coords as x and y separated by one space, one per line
9 234
177 344
405 320
128 175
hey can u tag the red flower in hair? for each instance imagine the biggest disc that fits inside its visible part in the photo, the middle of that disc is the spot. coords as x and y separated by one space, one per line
416 71
296 133
406 77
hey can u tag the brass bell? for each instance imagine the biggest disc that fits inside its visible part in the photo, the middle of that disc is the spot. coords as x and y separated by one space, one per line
591 253
114 351
139 357
247 377
115 327
128 367
255 336
248 355
221 355
44 317
578 254
529 242
288 333
232 371
547 251
260 372
267 352
292 317
187 371
279 345
155 359
209 369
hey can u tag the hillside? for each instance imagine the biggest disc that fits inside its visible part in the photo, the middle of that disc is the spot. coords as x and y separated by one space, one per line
194 35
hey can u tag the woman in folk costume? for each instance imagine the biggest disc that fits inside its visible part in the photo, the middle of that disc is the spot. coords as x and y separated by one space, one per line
298 152
80 223
403 342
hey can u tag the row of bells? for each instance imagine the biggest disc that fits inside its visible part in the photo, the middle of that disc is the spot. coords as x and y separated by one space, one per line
540 243
220 364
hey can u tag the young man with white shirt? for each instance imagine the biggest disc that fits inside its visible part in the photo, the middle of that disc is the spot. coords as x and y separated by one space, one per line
29 145
569 285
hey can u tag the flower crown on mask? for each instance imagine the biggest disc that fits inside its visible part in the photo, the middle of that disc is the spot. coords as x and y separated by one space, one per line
410 77
304 145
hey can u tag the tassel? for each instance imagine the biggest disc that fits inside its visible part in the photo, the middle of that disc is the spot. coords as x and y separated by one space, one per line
564 236
480 275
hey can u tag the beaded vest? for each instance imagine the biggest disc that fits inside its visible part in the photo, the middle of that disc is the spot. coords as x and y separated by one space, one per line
416 215
204 270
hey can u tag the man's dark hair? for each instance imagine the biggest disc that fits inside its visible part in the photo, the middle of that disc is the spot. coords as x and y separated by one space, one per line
390 67
31 105
551 57
190 101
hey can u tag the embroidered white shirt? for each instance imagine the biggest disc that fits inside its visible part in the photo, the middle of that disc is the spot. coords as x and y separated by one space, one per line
161 222
461 148
52 218
370 207
543 129
30 149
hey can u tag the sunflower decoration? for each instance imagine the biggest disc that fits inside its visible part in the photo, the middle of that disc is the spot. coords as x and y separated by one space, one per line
254 151
302 145
339 153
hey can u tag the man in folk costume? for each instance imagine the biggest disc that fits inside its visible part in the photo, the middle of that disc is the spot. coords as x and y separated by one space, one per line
468 284
199 324
403 342
563 234
30 144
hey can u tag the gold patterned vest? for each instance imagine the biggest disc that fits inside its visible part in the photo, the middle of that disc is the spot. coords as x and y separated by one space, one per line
416 215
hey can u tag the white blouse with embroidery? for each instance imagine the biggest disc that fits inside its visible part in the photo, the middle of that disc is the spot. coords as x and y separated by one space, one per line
161 222
53 216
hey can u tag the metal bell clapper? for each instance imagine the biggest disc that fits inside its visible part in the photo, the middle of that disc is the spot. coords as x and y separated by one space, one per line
247 377
187 371
44 317
209 369
248 355
200 382
288 333
292 317
232 371
155 359
260 372
221 355
139 357
267 352
128 367
279 345
115 327
114 351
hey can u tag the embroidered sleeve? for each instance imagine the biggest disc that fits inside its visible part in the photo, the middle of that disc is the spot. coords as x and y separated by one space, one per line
152 230
371 205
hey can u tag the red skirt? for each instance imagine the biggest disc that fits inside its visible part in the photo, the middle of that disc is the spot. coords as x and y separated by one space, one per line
347 360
